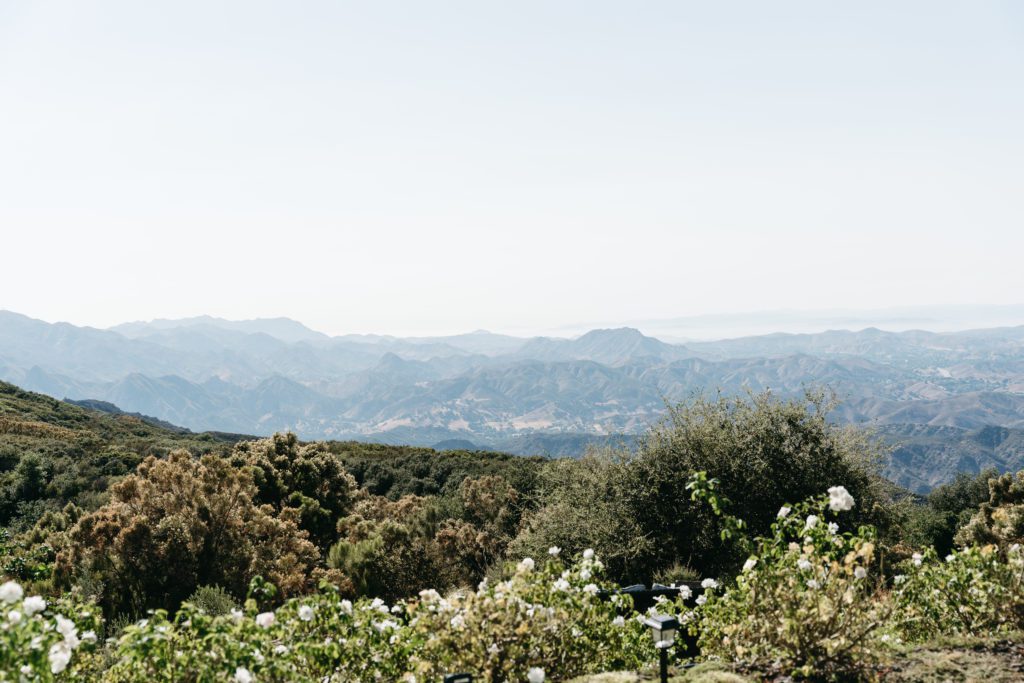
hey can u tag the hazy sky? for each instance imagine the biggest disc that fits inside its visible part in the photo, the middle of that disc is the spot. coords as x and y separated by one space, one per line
429 167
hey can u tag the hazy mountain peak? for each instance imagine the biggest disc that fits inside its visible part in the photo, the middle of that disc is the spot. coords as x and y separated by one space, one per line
391 360
284 329
621 333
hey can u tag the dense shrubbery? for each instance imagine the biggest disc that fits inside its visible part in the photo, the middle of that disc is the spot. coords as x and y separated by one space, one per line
53 453
304 477
396 471
975 591
635 509
177 524
1000 519
934 521
809 592
809 601
545 617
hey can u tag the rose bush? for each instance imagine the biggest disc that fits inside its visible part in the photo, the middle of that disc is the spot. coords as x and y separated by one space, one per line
972 592
44 642
546 621
807 600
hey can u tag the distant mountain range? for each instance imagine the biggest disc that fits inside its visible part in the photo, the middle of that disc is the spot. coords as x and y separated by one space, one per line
932 392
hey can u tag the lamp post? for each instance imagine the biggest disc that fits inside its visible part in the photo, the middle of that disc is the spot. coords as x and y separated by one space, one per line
458 678
663 631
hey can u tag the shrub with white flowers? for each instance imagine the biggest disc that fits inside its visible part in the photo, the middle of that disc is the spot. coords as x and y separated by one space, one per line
806 600
974 591
43 642
544 623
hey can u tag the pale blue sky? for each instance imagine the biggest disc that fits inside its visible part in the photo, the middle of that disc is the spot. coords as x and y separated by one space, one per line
431 167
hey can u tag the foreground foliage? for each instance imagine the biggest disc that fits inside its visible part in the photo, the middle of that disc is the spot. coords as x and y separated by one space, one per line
810 602
546 620
370 558
807 602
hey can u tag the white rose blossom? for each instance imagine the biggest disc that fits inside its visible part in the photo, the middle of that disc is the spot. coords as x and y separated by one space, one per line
11 592
67 628
839 499
535 675
265 619
33 605
59 656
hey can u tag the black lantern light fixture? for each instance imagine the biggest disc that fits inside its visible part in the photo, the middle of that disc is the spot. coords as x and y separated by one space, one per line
663 631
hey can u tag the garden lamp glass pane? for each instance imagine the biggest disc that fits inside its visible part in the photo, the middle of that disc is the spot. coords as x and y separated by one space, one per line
663 629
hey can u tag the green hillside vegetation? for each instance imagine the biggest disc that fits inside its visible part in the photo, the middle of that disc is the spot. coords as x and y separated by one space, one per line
108 517
53 453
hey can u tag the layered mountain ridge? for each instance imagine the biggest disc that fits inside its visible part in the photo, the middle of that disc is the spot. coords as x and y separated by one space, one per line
262 376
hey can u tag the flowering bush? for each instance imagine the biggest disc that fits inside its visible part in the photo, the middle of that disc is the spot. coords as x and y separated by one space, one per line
1000 519
806 601
549 618
974 591
305 639
39 641
545 622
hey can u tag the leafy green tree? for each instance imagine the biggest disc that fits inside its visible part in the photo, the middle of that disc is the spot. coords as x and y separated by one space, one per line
387 548
29 477
306 477
764 453
935 521
475 542
587 504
